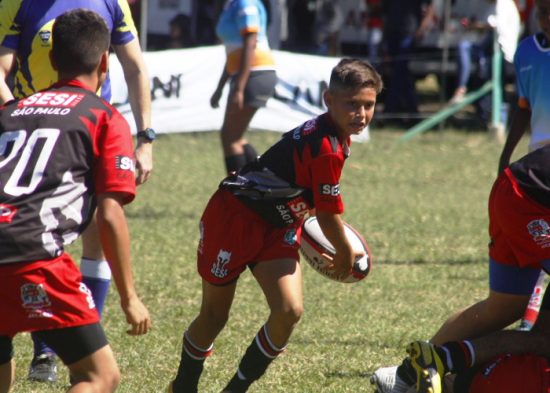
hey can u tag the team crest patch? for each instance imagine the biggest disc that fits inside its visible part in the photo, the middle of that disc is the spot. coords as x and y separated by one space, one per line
218 268
540 230
45 36
35 301
290 237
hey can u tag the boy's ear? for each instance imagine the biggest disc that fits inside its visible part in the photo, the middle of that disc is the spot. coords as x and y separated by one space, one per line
327 98
104 62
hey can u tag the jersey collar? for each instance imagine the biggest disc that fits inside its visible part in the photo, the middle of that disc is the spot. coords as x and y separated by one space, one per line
72 83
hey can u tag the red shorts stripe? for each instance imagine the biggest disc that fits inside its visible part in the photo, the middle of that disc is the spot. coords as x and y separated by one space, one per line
44 295
232 236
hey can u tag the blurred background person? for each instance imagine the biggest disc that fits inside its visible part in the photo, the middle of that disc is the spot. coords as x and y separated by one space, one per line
180 32
405 22
329 19
476 46
374 29
250 68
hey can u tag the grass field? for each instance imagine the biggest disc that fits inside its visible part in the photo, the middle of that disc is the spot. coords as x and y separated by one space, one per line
421 206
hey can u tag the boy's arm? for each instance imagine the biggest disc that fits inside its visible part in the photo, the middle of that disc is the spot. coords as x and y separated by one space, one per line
333 228
115 239
520 122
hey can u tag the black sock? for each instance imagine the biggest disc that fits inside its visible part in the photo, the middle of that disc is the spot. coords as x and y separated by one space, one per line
259 355
457 355
235 162
250 153
190 368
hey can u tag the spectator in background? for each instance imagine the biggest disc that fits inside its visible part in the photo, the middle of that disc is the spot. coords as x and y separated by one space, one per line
180 32
404 23
206 15
329 19
250 67
374 29
477 45
301 20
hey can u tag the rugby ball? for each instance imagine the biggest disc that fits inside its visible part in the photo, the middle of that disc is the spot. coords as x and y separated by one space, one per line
314 244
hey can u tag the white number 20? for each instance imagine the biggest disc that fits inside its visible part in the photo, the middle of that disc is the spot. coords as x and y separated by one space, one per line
50 136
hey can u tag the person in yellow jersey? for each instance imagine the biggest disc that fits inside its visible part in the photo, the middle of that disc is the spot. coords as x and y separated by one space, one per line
25 44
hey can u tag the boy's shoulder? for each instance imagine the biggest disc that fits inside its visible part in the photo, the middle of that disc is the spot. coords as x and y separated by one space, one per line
319 134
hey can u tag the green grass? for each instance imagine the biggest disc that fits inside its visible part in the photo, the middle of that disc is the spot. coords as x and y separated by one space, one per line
421 206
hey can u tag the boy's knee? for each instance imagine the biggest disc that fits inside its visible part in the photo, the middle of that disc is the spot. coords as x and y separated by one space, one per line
216 318
292 314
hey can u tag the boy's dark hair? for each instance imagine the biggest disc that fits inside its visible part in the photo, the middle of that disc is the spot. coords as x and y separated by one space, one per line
79 38
355 74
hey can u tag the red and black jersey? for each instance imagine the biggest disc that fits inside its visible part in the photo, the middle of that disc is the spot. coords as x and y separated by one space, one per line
58 148
299 172
532 173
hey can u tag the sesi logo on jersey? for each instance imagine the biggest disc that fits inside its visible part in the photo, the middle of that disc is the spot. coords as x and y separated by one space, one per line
59 99
125 163
330 189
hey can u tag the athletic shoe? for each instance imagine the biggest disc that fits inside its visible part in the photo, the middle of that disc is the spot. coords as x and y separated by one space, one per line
43 368
386 380
428 365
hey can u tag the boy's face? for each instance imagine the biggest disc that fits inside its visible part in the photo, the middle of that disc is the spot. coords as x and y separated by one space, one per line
350 109
543 15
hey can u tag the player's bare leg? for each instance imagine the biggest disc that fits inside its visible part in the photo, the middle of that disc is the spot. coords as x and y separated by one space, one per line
496 312
200 335
97 372
281 282
236 150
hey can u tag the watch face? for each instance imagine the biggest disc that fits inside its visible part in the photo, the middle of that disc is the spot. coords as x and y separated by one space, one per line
148 133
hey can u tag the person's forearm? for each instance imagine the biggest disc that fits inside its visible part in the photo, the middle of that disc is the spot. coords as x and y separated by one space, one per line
223 78
139 93
115 239
137 79
519 124
333 229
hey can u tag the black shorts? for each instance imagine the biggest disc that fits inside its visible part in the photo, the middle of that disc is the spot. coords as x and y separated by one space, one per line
70 344
259 88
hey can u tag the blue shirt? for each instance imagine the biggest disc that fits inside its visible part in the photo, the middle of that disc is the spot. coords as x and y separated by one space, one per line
532 62
239 18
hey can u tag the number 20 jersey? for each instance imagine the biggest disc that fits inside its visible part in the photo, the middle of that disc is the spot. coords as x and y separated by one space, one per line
58 148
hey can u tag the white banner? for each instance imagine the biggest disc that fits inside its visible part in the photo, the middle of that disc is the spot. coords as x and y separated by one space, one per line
184 79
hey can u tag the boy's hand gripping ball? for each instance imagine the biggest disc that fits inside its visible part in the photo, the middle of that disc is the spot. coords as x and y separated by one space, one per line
315 248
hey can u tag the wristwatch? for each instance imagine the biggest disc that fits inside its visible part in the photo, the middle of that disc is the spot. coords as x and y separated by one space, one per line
149 134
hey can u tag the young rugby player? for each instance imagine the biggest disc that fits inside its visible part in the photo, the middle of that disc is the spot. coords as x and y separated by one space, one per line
253 220
64 151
